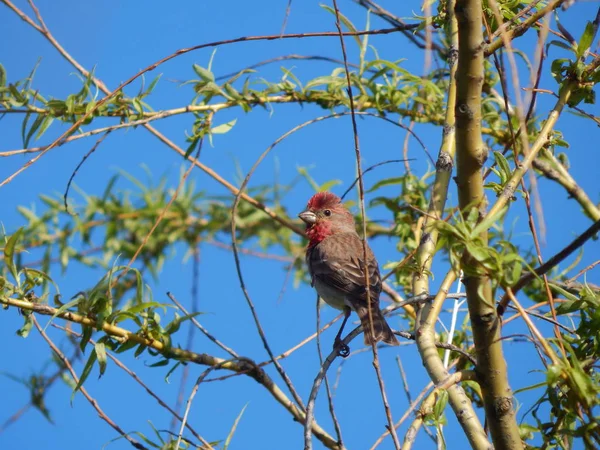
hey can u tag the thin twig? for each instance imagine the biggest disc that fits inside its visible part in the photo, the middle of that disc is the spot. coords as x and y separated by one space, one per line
361 191
161 216
410 409
556 323
249 301
15 417
201 328
169 57
292 56
92 150
550 263
245 366
533 329
404 379
582 271
336 423
368 169
188 405
288 9
83 390
191 330
139 381
428 403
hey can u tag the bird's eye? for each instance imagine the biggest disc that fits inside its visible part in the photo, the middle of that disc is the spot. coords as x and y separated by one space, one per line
327 212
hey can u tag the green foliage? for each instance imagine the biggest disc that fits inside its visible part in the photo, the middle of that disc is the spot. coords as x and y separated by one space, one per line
113 227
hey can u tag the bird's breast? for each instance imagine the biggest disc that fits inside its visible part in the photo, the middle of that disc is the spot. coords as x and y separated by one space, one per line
332 296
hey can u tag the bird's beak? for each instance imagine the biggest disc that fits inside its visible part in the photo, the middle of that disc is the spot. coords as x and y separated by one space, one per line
308 217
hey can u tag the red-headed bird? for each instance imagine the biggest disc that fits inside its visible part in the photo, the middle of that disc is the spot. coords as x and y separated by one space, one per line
336 265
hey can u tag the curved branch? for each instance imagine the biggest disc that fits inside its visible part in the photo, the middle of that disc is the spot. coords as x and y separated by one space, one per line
64 360
244 365
429 402
460 403
520 29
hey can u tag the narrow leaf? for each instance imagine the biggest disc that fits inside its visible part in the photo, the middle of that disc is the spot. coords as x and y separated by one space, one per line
224 128
100 349
89 365
9 252
232 431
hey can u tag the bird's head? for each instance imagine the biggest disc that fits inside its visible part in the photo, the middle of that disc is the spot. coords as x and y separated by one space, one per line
326 215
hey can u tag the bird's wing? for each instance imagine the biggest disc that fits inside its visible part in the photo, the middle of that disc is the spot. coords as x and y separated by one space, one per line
334 262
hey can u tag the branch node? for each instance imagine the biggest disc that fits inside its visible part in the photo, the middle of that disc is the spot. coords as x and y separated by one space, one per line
503 406
444 162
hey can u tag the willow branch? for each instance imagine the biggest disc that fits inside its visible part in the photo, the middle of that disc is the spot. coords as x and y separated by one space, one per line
75 126
427 406
552 169
443 171
471 155
460 403
425 326
544 136
520 29
139 381
88 397
243 365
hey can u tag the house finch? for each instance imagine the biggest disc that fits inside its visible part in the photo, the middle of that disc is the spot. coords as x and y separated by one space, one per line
336 265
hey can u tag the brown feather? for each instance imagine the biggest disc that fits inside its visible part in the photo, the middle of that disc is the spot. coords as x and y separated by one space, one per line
333 266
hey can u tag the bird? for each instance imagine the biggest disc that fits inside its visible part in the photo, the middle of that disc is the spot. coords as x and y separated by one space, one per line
336 264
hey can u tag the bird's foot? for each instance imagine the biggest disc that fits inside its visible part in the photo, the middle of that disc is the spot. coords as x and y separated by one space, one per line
342 349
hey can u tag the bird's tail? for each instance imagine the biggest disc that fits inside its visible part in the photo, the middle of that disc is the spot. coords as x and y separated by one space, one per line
379 331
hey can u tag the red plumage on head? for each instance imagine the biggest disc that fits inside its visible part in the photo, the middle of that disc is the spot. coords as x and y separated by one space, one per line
323 200
339 222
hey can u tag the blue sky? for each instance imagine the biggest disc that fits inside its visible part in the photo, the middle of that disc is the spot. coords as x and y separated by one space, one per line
119 39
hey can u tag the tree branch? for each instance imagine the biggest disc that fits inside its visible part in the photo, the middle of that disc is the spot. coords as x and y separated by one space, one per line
471 155
243 365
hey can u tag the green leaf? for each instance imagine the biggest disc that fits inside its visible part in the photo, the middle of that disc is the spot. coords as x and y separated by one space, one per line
488 221
502 164
87 369
224 128
16 94
140 350
2 76
127 345
344 20
303 171
559 44
174 325
529 388
152 85
440 404
9 252
203 73
26 328
64 307
161 363
137 105
85 337
44 126
328 185
586 39
387 182
232 431
148 305
171 370
41 275
34 127
481 254
100 349
233 93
